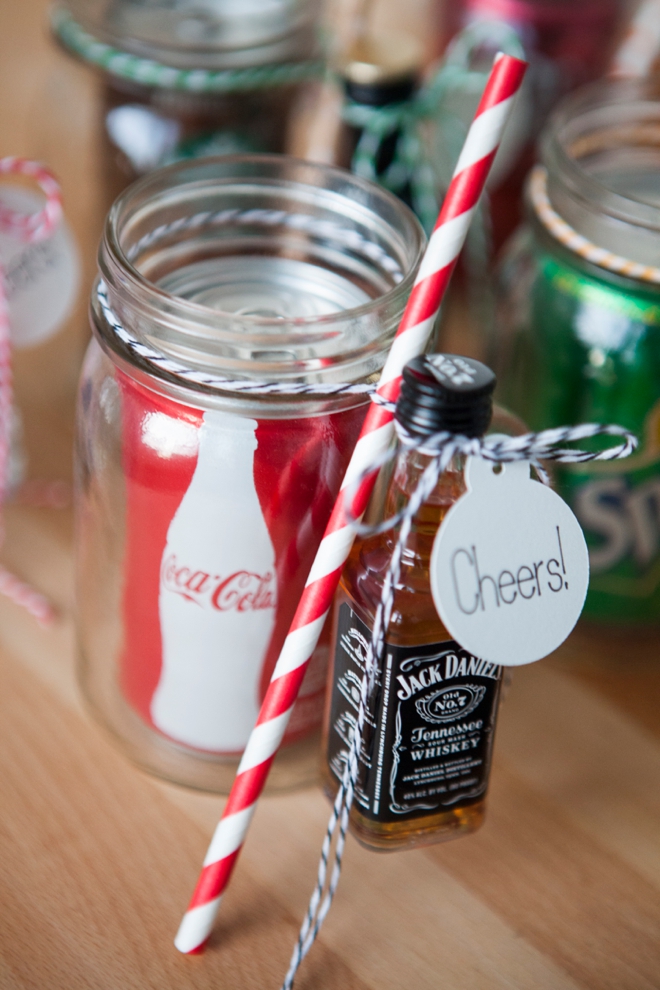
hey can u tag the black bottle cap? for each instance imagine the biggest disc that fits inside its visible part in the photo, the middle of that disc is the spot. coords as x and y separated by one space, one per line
381 68
446 392
383 93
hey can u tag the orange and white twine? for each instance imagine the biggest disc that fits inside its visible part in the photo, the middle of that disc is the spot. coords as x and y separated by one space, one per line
28 228
411 339
566 235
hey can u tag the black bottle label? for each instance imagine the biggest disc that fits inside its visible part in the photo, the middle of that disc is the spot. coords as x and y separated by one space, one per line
428 734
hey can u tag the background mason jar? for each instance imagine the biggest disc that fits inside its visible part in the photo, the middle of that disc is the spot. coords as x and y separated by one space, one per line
199 509
190 80
578 337
567 43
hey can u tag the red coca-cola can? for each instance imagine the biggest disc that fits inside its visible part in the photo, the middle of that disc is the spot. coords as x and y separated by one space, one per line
243 305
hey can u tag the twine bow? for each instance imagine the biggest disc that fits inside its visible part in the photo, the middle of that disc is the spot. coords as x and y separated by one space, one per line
441 448
28 228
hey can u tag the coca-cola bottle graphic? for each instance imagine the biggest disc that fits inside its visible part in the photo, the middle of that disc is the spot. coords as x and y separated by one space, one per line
217 595
256 495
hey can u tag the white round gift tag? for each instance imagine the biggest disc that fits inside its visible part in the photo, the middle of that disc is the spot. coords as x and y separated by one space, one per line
41 279
509 568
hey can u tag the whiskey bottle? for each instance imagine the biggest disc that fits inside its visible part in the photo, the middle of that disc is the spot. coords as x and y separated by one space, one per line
428 734
380 71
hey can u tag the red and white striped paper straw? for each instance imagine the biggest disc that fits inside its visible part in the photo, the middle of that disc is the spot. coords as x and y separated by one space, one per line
28 228
437 265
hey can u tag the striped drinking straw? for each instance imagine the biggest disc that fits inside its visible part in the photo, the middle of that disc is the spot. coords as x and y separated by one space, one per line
411 338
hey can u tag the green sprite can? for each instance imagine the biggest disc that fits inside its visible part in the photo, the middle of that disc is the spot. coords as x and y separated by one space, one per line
578 328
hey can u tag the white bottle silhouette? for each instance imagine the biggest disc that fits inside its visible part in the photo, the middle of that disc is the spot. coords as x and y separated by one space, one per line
217 595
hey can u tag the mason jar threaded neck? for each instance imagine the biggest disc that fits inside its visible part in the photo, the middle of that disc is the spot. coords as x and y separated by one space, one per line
261 267
207 36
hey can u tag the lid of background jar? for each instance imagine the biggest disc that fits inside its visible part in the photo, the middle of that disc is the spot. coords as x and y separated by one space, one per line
194 34
382 68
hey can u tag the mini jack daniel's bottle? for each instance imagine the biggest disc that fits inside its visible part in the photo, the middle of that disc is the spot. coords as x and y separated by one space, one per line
428 735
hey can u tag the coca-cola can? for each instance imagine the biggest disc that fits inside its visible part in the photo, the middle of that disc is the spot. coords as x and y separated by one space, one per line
235 295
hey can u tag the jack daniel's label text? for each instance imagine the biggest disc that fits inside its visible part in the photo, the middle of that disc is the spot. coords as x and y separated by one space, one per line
428 735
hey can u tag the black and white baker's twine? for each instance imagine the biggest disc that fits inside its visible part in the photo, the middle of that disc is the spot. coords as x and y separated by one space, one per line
352 240
548 445
322 229
184 375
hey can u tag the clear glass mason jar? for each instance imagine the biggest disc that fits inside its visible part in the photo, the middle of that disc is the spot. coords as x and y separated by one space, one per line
578 336
200 508
187 80
567 43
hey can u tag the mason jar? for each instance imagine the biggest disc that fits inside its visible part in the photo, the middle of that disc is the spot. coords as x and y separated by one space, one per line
187 80
202 496
567 43
578 337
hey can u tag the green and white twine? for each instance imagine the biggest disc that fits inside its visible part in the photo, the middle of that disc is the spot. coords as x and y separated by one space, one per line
148 72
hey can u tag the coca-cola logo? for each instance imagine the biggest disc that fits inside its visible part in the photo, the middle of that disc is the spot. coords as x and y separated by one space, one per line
242 591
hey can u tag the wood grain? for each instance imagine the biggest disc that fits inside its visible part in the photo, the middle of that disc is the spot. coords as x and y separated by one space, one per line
559 891
91 891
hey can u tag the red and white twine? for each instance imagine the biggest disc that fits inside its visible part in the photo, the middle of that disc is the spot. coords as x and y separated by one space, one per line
28 228
412 336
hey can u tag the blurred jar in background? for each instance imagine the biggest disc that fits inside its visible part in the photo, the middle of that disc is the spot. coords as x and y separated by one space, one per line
578 334
567 43
188 80
40 279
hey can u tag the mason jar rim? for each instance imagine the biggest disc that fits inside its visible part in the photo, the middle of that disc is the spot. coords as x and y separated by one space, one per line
289 34
584 114
131 276
350 237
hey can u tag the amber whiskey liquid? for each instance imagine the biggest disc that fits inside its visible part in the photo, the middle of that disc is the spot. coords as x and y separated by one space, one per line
430 722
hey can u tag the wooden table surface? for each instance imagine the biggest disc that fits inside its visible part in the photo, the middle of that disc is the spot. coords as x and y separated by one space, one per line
560 890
